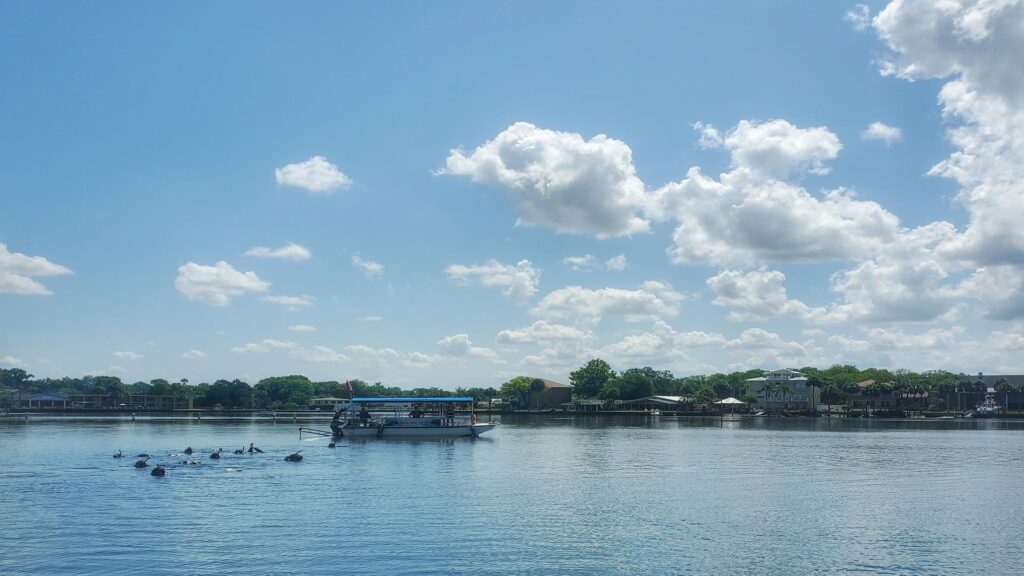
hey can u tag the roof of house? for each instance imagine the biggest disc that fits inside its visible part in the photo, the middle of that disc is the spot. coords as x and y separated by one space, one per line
657 399
553 384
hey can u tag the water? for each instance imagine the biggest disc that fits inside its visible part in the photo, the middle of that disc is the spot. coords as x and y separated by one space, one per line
540 495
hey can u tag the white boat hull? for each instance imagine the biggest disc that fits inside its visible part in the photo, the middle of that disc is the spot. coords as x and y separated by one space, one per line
417 431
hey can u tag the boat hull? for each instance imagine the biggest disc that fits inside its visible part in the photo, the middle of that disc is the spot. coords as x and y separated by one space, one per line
415 431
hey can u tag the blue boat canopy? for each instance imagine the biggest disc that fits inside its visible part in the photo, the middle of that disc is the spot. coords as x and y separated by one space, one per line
413 400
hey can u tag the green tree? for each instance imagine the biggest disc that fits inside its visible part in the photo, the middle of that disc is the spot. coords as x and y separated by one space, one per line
14 378
517 388
536 390
634 383
589 380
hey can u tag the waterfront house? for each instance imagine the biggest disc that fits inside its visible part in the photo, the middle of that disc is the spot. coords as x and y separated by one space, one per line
649 403
49 400
870 395
555 394
784 389
326 403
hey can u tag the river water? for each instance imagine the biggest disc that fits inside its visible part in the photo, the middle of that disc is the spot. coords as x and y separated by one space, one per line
539 495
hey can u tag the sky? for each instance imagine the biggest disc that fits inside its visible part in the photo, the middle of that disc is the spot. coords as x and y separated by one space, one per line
453 193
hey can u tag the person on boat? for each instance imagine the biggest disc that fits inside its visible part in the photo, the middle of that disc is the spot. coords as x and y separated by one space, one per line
416 412
364 415
449 415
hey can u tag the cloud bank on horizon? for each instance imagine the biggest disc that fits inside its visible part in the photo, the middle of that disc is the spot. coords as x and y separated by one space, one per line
746 244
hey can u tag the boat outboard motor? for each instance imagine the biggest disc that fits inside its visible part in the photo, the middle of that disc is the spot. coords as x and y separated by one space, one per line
296 457
158 471
142 463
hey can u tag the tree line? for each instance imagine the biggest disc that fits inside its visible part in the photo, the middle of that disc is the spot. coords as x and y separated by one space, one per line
274 393
597 380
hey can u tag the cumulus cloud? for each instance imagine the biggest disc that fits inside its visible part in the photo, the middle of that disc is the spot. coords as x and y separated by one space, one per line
459 346
976 45
543 333
752 215
9 360
759 295
316 175
126 355
193 354
302 328
216 285
560 180
371 318
652 301
518 282
293 302
584 263
18 270
290 251
662 345
370 268
859 17
317 354
883 132
757 347
617 263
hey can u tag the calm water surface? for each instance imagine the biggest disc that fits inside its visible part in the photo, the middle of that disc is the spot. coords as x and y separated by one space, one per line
540 495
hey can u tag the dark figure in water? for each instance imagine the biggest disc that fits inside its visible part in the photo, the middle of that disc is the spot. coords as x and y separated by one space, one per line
216 454
119 454
240 451
158 471
332 445
253 448
188 450
142 463
296 457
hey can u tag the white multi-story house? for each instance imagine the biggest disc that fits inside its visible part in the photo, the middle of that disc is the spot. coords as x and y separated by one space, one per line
784 389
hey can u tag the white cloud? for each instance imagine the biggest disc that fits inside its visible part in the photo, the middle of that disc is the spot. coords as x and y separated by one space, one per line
859 17
584 263
216 285
662 345
302 328
977 46
17 271
290 251
316 175
652 301
518 282
371 318
12 361
292 302
193 354
759 295
459 346
559 180
543 333
883 132
777 148
617 263
750 215
318 354
757 347
370 268
126 355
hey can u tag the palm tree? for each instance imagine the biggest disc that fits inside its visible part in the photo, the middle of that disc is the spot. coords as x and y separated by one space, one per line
814 382
536 388
490 393
1003 386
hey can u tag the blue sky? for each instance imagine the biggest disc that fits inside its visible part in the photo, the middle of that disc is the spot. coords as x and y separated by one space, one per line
135 140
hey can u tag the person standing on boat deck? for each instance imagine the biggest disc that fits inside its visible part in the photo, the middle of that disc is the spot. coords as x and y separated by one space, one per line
416 412
449 415
364 415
